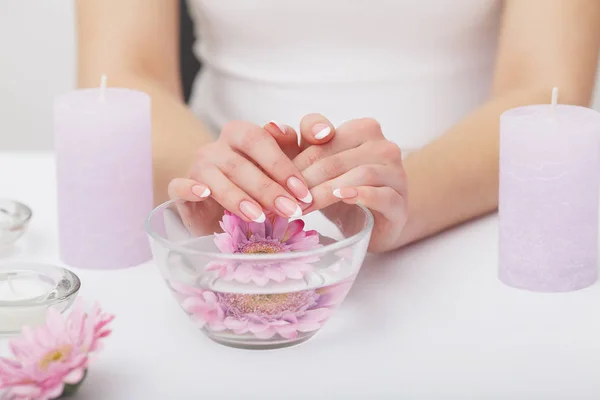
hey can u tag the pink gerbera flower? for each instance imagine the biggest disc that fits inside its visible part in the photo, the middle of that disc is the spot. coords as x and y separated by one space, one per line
52 358
275 235
263 315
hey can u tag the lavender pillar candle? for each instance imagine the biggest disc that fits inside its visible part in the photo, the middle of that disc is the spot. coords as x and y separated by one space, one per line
548 204
104 172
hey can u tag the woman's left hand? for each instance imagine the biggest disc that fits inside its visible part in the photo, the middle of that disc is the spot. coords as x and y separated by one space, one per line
358 165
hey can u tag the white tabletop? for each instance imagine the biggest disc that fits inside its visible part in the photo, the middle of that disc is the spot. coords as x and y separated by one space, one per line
428 322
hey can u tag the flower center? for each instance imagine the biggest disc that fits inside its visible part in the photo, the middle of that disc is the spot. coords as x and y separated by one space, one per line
268 304
261 248
57 355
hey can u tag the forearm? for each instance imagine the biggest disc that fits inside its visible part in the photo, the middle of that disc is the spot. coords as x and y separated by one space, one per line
455 178
176 132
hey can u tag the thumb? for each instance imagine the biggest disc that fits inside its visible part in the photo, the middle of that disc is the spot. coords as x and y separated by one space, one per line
315 129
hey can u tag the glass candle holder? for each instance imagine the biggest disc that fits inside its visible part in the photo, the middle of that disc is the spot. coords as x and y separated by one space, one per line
27 290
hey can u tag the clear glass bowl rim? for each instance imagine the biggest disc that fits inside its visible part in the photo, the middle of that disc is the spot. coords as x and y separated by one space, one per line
20 222
349 241
26 266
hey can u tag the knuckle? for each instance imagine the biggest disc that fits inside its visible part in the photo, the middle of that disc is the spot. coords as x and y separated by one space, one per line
367 173
370 126
314 157
242 135
280 163
231 129
228 165
333 167
250 140
390 151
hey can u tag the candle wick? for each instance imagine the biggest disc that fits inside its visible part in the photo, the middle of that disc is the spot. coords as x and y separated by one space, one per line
103 80
554 99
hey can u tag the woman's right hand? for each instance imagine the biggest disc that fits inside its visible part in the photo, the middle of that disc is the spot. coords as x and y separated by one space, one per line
247 171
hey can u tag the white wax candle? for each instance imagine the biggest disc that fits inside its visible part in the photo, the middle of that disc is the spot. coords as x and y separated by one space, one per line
18 291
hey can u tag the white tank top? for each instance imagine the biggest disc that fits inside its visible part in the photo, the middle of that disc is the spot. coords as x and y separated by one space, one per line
417 66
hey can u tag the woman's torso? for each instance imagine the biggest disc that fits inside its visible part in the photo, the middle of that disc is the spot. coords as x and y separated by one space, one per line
417 66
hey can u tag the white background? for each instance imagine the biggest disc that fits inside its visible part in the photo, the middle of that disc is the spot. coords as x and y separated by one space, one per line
37 61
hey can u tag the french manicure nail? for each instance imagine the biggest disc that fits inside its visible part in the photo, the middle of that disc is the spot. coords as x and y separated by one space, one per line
321 131
345 193
299 189
278 126
288 207
201 191
252 212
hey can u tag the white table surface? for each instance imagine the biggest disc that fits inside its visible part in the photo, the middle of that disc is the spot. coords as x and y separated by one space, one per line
428 322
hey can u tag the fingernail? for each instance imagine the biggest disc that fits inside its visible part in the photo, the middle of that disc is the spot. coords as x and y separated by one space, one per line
201 191
345 193
299 189
278 126
288 207
321 131
252 212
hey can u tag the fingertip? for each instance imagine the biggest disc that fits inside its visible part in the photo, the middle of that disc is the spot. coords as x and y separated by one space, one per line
188 190
316 129
202 191
321 131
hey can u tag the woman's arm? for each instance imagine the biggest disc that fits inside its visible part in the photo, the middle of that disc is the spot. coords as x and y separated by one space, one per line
543 43
136 42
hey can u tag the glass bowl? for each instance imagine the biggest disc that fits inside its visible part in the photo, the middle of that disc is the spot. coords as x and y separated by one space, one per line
14 218
27 290
260 299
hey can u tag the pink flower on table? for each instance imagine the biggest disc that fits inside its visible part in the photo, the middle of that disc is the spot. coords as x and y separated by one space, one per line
50 357
275 235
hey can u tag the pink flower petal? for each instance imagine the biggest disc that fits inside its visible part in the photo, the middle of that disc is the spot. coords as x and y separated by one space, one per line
291 271
280 227
256 229
239 236
275 273
243 273
256 327
27 391
236 324
266 334
319 314
216 326
56 391
305 243
288 332
74 376
225 242
260 280
209 297
293 228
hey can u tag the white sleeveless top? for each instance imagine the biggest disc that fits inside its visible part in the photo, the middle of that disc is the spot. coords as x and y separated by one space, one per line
417 66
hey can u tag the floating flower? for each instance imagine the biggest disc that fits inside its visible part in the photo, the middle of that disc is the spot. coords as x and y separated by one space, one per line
263 315
51 360
275 235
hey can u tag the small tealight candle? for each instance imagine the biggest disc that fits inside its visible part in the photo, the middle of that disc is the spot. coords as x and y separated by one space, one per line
549 197
18 303
27 290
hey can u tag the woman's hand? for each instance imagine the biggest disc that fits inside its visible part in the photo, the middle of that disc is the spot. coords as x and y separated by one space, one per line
247 171
357 166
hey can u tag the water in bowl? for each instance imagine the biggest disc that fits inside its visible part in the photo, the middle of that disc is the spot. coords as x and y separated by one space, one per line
260 315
